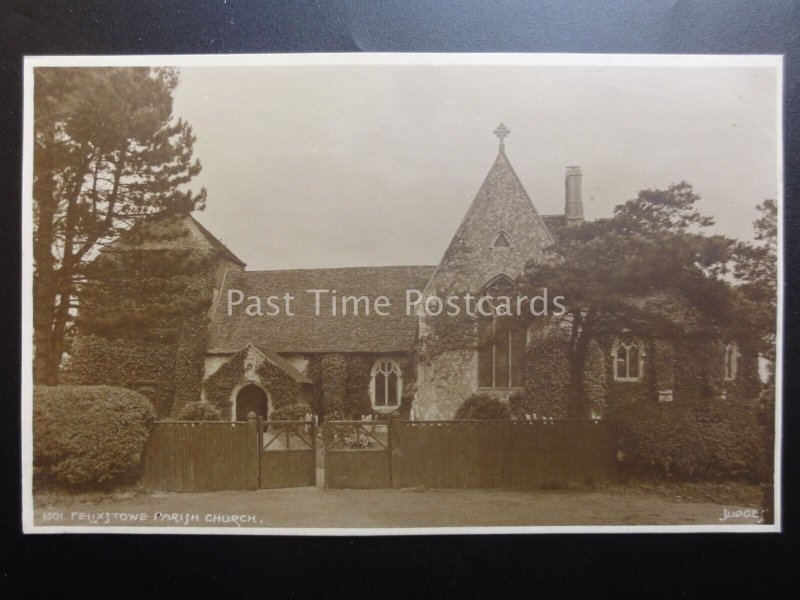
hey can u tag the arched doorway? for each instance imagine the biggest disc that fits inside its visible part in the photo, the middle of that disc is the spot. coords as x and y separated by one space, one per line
251 398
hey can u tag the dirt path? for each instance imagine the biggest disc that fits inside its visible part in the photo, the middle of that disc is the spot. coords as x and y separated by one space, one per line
316 507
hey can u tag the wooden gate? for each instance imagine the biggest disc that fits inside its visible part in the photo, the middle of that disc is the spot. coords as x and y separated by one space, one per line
357 454
288 453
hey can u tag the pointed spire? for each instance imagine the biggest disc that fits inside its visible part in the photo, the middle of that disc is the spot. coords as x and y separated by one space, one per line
501 131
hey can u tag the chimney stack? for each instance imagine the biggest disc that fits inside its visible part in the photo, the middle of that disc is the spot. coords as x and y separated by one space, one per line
573 207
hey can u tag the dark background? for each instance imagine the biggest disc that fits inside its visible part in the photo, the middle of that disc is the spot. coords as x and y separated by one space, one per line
648 566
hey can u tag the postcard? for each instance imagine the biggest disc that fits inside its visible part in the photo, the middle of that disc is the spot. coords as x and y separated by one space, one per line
328 294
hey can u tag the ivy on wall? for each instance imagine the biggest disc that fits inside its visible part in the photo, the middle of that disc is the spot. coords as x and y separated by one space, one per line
343 382
125 363
143 315
547 376
219 385
283 390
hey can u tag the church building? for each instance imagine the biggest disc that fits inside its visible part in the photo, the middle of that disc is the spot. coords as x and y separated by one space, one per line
346 365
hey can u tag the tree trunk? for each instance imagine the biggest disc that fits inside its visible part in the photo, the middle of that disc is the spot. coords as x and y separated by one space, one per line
44 295
577 407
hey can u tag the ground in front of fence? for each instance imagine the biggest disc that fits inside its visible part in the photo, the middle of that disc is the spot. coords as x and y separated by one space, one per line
317 507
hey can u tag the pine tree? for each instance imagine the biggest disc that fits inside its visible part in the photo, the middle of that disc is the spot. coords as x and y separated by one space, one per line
108 152
650 269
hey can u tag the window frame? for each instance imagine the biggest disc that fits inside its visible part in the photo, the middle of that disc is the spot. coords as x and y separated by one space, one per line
511 358
633 342
502 232
377 369
730 353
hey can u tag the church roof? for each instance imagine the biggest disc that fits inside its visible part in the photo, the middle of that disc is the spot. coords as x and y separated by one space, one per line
306 332
554 223
216 243
157 232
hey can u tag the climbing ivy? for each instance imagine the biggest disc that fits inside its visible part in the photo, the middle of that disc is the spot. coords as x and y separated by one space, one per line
219 385
283 390
143 314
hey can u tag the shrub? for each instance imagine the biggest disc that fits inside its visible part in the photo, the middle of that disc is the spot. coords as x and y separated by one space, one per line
290 412
482 407
520 405
200 411
714 439
85 436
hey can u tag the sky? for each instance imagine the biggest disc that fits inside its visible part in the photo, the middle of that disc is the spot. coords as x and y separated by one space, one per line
345 165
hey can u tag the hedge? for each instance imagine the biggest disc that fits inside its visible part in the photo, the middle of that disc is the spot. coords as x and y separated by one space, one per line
88 436
712 439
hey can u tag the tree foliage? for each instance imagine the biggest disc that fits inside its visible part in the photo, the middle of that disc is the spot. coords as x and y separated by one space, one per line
756 272
650 269
107 152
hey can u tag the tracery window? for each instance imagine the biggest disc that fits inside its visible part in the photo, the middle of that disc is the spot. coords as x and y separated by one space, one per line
501 343
731 361
627 352
386 385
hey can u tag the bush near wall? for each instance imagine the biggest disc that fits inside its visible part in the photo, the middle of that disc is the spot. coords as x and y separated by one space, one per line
482 407
291 412
199 411
88 437
711 439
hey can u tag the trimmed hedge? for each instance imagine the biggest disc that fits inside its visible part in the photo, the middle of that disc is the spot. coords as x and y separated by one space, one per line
479 407
713 439
88 436
200 411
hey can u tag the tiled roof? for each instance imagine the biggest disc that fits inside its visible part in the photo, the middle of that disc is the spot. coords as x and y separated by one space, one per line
554 223
307 332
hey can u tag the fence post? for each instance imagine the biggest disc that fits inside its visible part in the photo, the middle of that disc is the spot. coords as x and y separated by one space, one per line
389 427
254 435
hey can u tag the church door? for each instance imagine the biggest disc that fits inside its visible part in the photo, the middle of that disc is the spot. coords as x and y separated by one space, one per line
251 398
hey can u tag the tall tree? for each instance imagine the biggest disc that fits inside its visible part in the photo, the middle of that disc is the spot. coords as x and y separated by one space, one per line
107 153
647 269
756 272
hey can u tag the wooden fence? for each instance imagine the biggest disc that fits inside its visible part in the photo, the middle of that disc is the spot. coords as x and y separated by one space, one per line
500 454
201 456
206 456
468 454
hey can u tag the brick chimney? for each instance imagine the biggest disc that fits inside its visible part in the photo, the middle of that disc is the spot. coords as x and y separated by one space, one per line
573 205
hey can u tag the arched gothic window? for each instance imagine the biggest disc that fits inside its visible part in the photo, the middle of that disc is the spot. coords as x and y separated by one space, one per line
731 361
501 240
501 342
386 385
627 352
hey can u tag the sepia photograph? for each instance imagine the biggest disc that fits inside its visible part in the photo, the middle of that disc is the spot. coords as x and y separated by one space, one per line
355 294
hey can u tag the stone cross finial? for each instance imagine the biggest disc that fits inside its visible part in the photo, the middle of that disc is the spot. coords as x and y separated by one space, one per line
501 132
